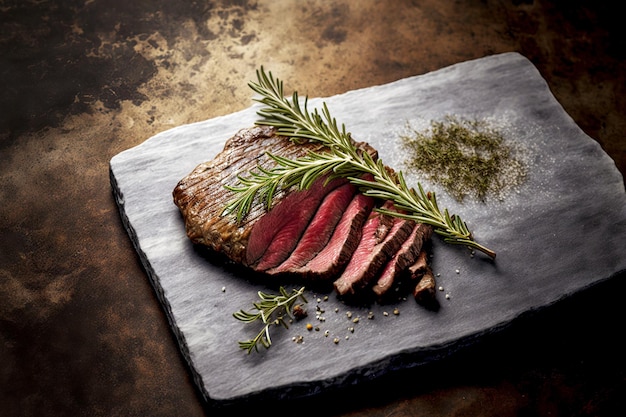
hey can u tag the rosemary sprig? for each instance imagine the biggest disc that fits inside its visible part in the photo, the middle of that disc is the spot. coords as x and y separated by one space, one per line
271 310
342 159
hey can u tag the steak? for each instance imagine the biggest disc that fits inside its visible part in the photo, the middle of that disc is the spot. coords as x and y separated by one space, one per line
329 232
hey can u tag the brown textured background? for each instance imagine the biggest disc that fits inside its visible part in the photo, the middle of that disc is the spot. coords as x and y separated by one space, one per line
81 332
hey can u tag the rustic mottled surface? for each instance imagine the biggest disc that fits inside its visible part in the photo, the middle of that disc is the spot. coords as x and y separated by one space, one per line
81 331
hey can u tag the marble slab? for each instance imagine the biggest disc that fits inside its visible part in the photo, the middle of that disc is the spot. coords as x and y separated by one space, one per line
562 231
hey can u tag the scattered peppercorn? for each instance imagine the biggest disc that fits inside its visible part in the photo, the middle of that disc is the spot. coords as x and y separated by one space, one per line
299 311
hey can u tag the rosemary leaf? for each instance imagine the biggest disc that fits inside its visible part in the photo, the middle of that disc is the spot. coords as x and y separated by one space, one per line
270 310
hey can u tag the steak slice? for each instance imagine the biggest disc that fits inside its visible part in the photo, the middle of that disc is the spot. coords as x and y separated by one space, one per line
424 291
382 236
424 281
419 267
346 236
320 229
402 259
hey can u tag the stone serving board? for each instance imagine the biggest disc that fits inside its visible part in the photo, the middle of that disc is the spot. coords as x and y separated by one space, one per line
561 231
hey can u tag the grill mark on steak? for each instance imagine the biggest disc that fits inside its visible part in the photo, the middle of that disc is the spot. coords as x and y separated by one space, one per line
402 259
277 233
319 231
377 245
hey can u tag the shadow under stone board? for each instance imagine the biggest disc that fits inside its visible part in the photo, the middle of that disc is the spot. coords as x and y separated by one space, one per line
558 233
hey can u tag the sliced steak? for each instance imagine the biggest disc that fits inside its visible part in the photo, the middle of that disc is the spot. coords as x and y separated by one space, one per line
275 235
332 259
382 236
319 230
402 259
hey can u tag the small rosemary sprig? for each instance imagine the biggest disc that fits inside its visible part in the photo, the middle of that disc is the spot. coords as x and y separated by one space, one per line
271 310
342 159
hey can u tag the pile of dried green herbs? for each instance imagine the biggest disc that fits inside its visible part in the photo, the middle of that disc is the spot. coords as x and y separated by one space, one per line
467 158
